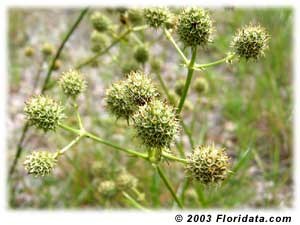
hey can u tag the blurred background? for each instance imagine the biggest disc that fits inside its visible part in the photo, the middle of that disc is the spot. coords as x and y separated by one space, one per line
247 108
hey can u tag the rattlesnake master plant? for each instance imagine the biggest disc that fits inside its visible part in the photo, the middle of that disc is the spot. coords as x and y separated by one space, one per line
40 163
156 17
72 83
250 42
194 27
156 124
29 51
208 164
100 22
43 112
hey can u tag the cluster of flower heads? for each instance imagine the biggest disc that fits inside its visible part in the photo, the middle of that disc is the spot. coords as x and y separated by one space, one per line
194 27
109 183
155 122
46 114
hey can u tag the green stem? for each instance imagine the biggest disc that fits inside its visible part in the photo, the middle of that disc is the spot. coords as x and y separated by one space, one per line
116 41
168 185
133 201
163 85
170 38
70 145
220 61
49 73
52 65
129 151
188 80
174 158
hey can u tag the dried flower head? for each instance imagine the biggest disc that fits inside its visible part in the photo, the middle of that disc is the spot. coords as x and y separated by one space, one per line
43 112
72 83
156 17
135 16
126 181
47 49
99 41
201 85
29 51
250 42
208 164
107 188
40 163
141 54
156 124
100 22
194 27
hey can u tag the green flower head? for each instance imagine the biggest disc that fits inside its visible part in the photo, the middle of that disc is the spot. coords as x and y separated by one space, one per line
141 54
201 85
194 27
29 51
208 164
72 83
117 101
40 163
179 86
139 88
99 41
156 17
129 67
100 22
43 112
250 42
156 124
47 49
135 16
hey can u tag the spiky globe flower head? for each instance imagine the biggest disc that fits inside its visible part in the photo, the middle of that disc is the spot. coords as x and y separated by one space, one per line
194 27
135 16
43 112
179 86
126 181
72 83
156 124
98 41
47 49
201 85
40 163
141 54
208 164
29 51
139 88
156 17
171 22
117 101
250 42
100 22
107 188
130 67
